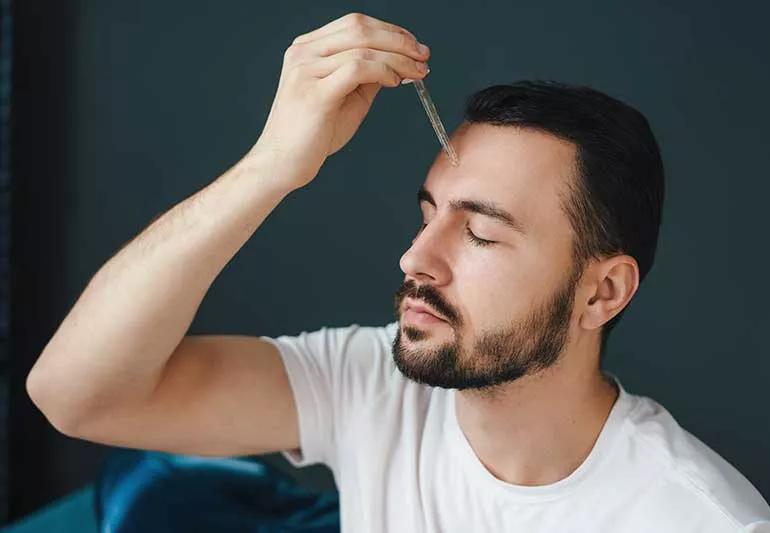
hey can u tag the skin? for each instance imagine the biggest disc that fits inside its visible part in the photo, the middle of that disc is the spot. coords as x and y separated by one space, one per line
521 337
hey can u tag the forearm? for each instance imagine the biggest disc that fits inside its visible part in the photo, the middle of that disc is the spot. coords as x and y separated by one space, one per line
113 344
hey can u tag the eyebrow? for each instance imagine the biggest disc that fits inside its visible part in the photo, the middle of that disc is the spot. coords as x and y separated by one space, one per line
486 208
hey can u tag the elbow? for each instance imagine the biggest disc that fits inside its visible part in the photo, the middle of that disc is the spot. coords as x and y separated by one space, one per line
39 390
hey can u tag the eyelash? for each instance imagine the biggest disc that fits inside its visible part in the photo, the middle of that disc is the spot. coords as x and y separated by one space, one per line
471 237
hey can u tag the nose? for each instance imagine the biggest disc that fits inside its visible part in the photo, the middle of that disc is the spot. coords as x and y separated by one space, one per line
426 259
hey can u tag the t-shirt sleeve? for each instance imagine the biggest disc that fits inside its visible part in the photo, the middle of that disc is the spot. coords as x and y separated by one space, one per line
331 371
762 526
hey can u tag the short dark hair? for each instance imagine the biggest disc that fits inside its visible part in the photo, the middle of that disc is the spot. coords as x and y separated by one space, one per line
614 204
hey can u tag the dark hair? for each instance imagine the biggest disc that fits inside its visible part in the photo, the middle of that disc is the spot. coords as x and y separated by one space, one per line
614 203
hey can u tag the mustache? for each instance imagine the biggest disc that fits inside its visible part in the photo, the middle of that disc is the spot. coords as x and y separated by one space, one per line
424 293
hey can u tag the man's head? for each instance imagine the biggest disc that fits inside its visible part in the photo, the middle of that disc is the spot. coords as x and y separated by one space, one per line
568 184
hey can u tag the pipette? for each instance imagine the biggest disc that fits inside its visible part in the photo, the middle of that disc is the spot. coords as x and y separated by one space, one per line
430 109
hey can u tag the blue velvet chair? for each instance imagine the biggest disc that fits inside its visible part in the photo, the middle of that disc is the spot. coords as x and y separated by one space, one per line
153 492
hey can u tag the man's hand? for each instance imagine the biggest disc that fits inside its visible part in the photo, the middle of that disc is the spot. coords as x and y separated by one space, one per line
328 82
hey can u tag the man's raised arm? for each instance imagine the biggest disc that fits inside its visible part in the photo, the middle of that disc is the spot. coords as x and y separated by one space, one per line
112 354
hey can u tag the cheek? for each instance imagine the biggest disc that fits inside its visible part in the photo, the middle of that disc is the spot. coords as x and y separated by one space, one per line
490 289
509 288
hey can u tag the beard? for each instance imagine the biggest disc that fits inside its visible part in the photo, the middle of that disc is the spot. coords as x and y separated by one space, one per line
499 355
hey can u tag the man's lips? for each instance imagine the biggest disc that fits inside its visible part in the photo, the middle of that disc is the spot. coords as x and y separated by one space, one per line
420 308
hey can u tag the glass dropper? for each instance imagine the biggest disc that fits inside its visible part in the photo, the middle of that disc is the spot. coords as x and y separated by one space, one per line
438 127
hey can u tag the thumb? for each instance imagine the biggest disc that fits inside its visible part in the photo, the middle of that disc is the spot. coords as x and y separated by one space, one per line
369 91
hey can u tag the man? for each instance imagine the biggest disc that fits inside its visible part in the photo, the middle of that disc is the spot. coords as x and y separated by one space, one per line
483 407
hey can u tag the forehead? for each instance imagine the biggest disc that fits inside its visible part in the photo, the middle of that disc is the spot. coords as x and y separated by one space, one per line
524 171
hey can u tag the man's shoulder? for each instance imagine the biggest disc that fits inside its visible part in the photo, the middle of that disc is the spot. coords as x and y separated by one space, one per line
342 334
691 469
352 345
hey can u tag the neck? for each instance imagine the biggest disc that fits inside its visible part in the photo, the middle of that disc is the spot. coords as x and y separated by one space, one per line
540 428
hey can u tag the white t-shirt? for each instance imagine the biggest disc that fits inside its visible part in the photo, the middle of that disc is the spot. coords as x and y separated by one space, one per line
402 463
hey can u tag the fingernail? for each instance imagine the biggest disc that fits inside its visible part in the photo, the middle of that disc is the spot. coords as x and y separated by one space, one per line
423 49
406 80
422 67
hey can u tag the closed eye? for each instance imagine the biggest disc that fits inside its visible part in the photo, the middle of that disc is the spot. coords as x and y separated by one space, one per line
477 241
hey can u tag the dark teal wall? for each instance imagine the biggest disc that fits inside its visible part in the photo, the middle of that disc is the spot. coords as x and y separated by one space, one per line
149 101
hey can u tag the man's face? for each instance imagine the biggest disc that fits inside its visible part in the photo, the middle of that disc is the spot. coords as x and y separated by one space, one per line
508 306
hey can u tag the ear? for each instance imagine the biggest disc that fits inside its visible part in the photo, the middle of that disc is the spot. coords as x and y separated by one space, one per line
615 281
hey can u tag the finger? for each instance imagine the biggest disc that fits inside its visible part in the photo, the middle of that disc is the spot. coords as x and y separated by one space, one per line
350 75
366 37
347 21
406 81
404 66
